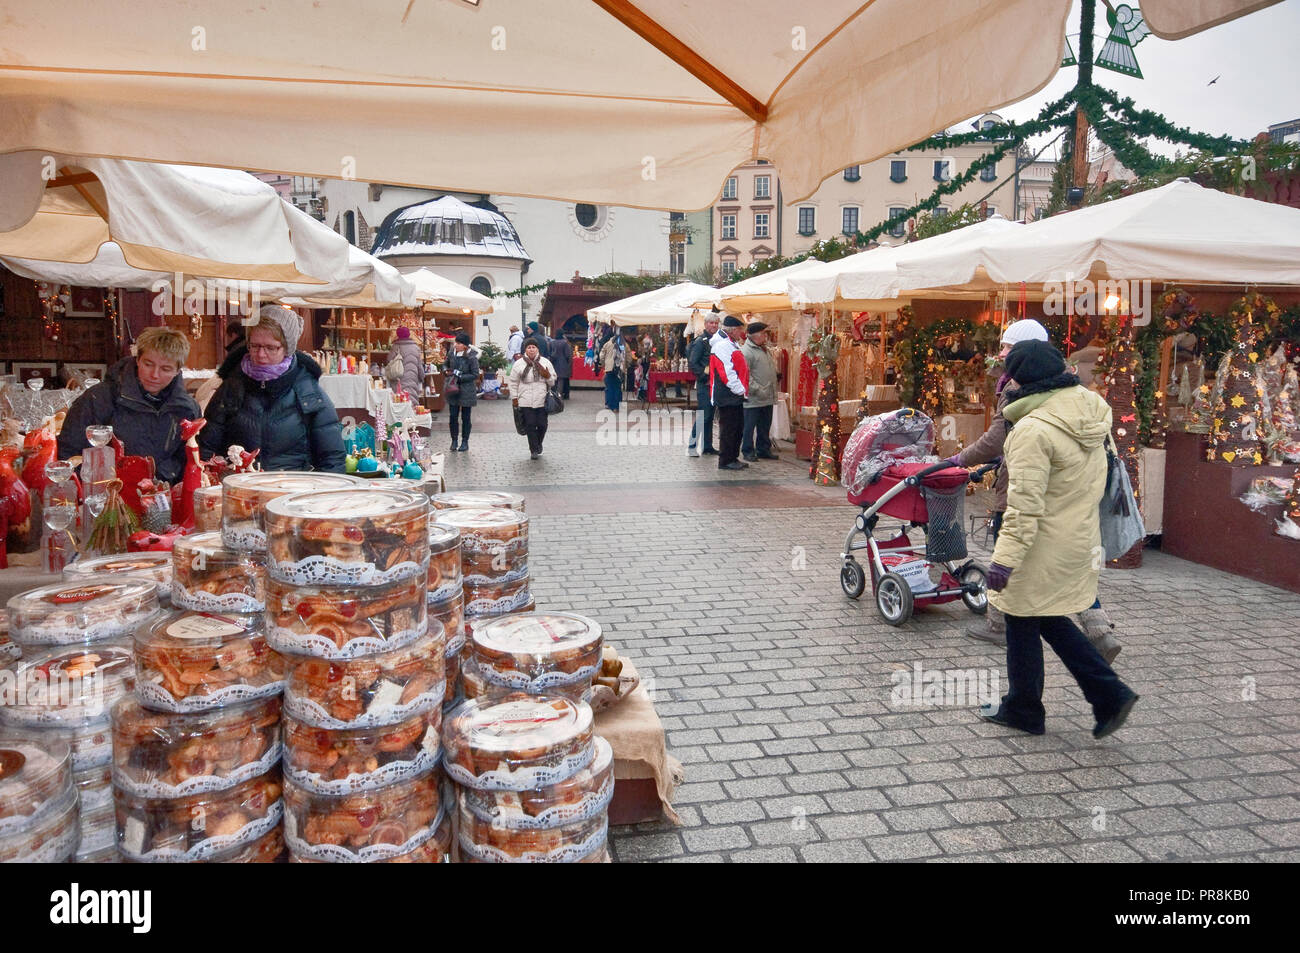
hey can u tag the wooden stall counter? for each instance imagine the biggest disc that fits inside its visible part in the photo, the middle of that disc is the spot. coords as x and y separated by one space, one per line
1206 523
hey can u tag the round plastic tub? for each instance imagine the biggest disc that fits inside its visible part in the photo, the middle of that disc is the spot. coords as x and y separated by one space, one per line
68 687
517 742
209 576
478 500
154 566
244 497
69 613
365 826
344 621
355 537
445 575
194 661
339 761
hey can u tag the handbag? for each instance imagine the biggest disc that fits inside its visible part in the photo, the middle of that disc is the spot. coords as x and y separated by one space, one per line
451 385
554 405
520 428
1121 522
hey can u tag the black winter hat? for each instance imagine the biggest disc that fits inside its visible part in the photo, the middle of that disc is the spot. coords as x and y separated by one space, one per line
1033 361
462 338
731 321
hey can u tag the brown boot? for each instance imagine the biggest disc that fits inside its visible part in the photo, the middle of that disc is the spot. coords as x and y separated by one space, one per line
1096 625
992 628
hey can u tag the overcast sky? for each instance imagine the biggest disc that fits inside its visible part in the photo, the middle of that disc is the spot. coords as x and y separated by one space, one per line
1257 60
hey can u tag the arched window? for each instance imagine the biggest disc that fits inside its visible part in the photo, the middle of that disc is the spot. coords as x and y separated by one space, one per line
585 214
482 286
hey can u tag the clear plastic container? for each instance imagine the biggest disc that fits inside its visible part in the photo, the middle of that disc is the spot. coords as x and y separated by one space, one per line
244 497
339 761
435 850
67 687
51 838
537 652
35 780
197 827
362 827
154 566
267 849
67 613
496 598
478 500
475 685
358 537
344 622
485 842
98 826
209 576
450 615
195 661
445 575
517 742
487 536
207 509
105 855
379 689
165 755
583 796
94 787
8 651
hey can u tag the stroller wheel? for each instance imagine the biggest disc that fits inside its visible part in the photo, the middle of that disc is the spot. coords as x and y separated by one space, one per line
979 602
893 598
852 579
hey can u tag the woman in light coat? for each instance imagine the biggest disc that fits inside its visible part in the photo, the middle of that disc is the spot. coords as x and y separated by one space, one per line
1048 555
530 379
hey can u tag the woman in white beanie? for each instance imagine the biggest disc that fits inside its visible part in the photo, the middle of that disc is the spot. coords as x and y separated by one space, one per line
270 399
993 628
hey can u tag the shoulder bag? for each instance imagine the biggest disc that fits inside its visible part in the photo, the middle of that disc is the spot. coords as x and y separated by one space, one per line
1121 521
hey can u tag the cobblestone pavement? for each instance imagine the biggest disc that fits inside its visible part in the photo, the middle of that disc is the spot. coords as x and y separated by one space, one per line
775 688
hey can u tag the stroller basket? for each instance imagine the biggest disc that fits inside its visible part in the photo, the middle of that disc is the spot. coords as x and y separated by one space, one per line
945 539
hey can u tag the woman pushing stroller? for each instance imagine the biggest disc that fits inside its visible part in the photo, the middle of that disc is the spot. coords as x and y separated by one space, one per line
1048 553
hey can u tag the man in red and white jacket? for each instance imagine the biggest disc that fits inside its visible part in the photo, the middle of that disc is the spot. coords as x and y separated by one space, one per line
728 388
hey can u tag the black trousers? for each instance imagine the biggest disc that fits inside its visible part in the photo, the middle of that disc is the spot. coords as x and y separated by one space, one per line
535 427
1023 702
458 426
758 431
730 421
562 386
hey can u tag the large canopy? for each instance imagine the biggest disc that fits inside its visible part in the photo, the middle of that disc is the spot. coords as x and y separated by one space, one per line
671 304
869 280
212 223
664 96
765 292
443 295
377 284
1178 232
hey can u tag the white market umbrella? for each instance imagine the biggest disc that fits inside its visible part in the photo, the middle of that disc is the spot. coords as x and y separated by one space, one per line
766 292
671 304
870 280
666 97
1179 232
213 223
380 286
443 295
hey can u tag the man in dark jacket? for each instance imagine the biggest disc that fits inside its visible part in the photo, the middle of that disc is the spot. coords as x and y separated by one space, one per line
144 399
561 355
273 401
728 387
697 358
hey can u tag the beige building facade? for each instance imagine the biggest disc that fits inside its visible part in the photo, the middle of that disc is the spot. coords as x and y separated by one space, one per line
747 218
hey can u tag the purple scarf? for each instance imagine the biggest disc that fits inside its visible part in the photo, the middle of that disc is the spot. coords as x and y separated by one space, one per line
264 372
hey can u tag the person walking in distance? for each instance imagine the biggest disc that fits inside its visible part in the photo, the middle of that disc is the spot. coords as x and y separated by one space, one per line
1046 560
613 361
728 387
697 358
461 387
514 344
530 378
756 444
561 354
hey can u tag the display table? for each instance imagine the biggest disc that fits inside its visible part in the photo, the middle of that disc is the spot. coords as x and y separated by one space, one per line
645 774
353 393
1205 522
669 377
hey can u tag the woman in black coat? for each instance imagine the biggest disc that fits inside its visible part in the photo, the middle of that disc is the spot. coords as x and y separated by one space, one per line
462 366
270 400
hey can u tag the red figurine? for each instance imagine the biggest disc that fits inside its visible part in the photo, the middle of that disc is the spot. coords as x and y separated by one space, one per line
193 477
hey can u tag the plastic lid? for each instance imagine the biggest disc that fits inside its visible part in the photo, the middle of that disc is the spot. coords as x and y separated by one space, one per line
270 484
213 549
350 504
483 518
68 613
478 499
517 741
35 778
67 687
441 536
538 634
190 629
153 565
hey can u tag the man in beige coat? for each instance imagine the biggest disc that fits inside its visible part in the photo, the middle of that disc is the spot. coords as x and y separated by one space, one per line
756 431
1048 556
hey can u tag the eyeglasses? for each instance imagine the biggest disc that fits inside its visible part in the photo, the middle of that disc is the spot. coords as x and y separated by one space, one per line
266 348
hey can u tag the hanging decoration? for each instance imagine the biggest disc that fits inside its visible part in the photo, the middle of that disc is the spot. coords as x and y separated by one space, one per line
1235 436
54 303
1127 30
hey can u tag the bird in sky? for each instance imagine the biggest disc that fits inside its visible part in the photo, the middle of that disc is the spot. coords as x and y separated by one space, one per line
1213 81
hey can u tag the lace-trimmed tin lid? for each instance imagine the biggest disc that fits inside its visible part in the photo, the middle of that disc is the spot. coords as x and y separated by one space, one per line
156 566
35 779
478 499
68 687
72 613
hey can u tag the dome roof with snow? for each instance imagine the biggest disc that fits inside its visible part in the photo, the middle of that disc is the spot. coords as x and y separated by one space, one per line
448 226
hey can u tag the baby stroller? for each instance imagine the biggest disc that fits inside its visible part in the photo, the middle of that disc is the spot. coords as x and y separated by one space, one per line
885 473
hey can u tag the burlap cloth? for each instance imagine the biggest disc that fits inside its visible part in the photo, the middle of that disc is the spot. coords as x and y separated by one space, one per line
635 733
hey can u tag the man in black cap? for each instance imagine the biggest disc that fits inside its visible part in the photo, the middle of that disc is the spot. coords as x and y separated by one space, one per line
728 387
756 443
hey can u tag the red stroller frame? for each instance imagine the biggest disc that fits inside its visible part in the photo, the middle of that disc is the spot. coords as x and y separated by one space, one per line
897 493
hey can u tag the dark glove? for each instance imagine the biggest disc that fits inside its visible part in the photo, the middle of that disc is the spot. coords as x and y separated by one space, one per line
998 577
